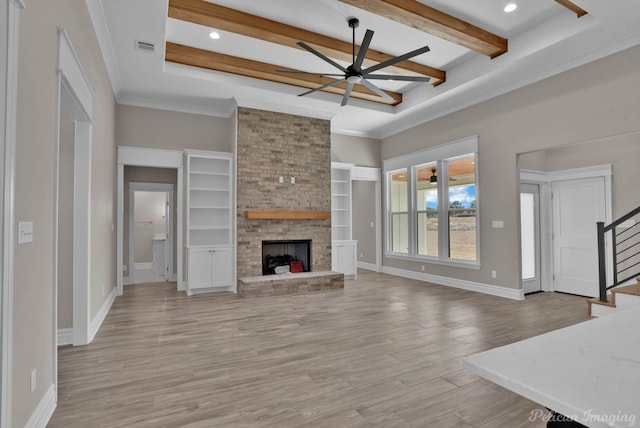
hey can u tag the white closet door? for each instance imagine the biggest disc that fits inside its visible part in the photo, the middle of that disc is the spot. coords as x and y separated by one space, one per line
577 206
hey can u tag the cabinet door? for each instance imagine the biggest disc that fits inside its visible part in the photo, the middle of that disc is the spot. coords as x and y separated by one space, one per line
348 259
336 264
222 267
344 257
199 268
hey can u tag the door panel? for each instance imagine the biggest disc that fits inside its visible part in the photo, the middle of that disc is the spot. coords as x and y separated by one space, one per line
577 206
222 267
199 268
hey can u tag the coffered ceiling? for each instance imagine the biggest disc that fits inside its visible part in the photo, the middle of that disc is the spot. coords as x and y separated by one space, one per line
159 53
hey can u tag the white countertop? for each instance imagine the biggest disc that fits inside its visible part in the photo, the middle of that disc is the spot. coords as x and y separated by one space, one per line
589 371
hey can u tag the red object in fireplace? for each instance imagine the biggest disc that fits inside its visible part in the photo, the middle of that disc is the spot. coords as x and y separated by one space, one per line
296 267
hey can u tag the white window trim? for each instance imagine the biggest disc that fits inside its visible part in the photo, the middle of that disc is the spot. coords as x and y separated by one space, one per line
410 163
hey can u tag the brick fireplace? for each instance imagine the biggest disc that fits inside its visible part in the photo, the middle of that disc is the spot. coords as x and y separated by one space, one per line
273 145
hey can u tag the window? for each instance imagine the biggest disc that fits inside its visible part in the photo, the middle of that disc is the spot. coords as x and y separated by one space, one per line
432 204
462 208
399 212
427 210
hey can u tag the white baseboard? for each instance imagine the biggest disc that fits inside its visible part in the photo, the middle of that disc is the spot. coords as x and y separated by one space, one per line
65 336
101 315
493 290
41 415
368 266
145 265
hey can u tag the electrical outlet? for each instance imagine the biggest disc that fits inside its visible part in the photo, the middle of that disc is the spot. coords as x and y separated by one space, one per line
494 274
371 225
281 179
361 255
33 380
293 180
422 268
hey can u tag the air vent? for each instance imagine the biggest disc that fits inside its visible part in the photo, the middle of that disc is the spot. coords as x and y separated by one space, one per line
145 46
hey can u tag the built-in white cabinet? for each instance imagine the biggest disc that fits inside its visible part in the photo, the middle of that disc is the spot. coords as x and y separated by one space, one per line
344 258
210 267
209 224
343 249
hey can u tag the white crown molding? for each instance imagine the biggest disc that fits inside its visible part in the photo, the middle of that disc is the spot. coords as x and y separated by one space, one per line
99 21
439 107
217 108
493 290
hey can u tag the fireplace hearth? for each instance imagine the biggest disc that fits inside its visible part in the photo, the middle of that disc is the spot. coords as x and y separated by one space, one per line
281 256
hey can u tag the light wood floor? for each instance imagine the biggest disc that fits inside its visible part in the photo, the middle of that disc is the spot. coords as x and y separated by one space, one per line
385 351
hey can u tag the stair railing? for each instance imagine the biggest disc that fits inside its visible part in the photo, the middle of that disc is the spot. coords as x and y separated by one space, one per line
624 254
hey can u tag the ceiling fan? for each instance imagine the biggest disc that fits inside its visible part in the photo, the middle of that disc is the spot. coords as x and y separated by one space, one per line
434 177
354 74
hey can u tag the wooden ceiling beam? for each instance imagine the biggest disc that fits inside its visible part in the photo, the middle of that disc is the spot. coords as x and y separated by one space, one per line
432 21
201 58
573 7
226 19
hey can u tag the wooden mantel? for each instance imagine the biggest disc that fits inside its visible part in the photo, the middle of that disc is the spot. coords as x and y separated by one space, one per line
287 215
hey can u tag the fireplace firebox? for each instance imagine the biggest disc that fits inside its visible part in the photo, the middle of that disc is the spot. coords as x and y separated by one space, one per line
286 255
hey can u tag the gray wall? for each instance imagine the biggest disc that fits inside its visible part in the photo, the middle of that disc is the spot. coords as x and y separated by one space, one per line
357 150
161 129
35 137
575 106
363 214
622 152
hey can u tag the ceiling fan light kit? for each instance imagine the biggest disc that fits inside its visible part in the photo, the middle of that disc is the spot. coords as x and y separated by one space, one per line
354 74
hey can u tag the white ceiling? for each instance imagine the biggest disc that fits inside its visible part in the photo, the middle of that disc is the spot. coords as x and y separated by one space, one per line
544 39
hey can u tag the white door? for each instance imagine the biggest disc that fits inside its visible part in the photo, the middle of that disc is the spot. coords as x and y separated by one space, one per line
530 237
577 206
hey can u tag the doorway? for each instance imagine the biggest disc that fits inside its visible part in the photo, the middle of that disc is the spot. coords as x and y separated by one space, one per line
530 238
151 208
570 202
150 166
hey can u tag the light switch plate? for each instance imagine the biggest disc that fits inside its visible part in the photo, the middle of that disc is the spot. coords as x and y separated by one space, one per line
497 224
25 232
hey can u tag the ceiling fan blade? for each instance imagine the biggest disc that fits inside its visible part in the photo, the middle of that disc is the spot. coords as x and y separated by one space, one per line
396 60
347 92
319 88
309 73
321 56
364 47
375 89
399 78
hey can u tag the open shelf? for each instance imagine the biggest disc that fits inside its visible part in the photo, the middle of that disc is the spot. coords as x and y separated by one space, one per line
209 199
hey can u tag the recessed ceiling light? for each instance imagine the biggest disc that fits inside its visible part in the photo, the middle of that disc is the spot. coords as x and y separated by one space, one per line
510 7
214 35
